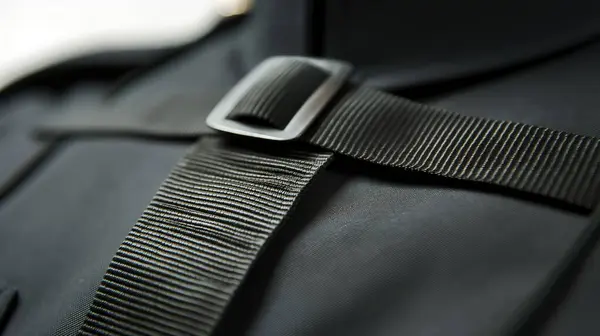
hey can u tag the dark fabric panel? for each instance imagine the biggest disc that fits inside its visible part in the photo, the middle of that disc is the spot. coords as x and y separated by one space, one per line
18 150
278 28
405 258
8 302
401 43
174 117
579 313
560 94
59 231
206 72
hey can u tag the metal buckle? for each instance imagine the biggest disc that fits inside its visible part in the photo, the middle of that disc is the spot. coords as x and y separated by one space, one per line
217 119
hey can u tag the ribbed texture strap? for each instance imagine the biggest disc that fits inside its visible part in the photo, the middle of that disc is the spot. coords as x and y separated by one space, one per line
178 268
381 128
270 102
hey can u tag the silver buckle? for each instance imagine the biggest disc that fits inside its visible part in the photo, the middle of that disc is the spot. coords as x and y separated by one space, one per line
217 119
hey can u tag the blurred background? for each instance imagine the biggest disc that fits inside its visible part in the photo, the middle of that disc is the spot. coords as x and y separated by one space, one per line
36 34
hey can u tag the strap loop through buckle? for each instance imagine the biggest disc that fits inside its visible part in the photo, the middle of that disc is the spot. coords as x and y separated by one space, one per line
218 118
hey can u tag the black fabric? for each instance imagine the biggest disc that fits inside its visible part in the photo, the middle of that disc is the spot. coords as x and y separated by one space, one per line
19 152
346 268
185 258
433 40
377 127
272 33
398 245
57 245
8 302
578 313
436 40
543 305
175 117
168 102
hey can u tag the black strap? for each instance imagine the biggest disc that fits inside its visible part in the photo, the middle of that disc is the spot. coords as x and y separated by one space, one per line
183 261
270 102
377 127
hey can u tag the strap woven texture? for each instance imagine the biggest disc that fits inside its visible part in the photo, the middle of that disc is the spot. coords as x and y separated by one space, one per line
270 101
378 127
181 264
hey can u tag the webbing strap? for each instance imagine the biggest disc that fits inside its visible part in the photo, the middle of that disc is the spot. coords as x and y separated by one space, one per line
182 262
378 127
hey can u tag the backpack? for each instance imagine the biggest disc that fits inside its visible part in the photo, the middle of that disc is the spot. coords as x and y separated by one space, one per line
313 188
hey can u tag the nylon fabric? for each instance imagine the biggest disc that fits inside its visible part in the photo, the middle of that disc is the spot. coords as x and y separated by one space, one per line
378 127
176 117
8 301
180 265
19 152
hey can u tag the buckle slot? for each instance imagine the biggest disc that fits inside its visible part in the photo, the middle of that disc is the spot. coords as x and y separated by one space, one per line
339 73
